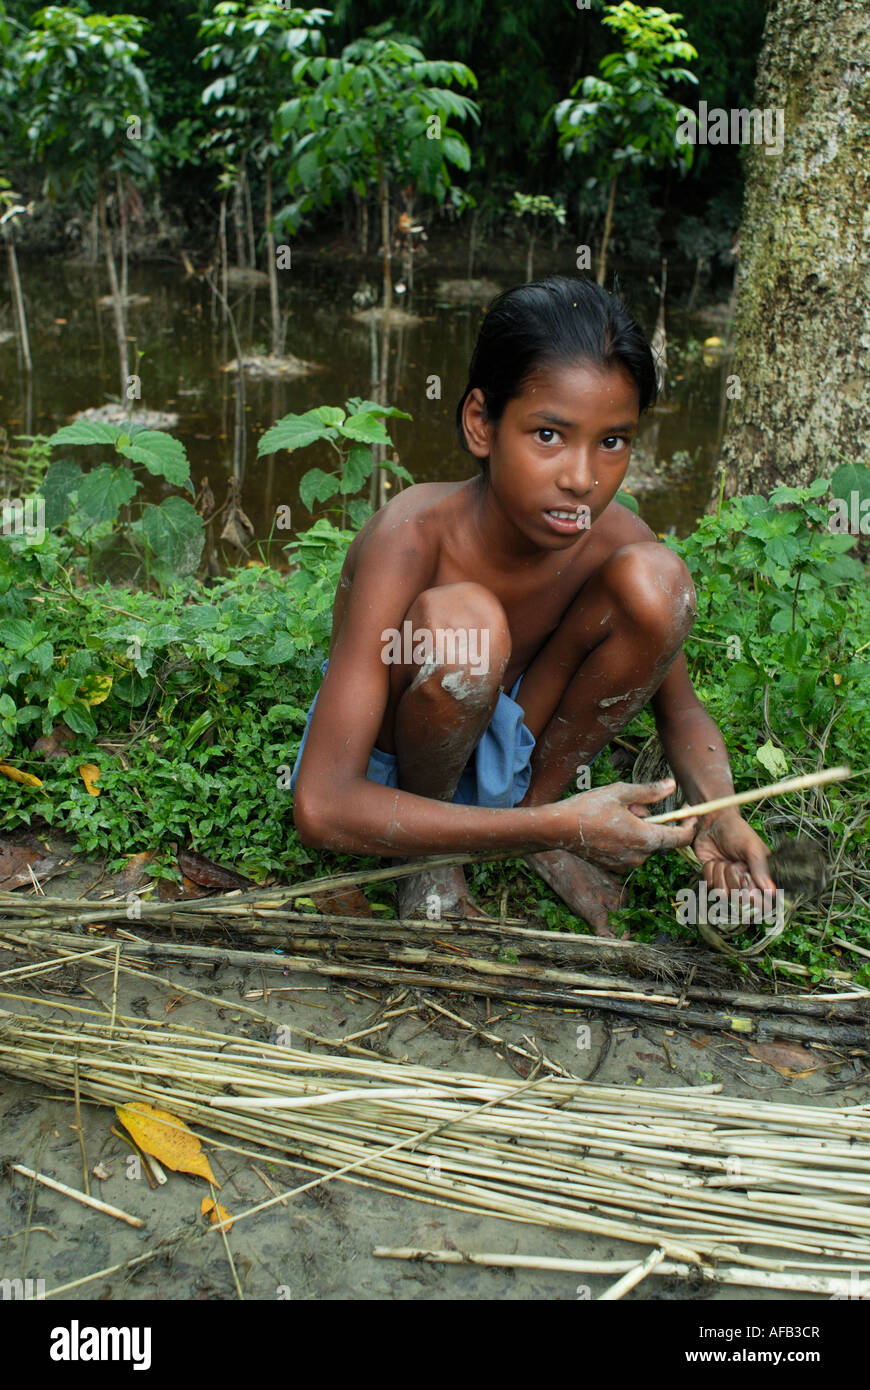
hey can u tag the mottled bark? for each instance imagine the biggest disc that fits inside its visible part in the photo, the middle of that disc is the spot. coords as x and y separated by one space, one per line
802 332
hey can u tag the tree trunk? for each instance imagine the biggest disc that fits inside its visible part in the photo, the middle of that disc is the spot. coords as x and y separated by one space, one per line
117 304
94 248
696 284
222 236
18 300
238 221
530 254
277 335
802 329
122 225
605 239
249 218
384 205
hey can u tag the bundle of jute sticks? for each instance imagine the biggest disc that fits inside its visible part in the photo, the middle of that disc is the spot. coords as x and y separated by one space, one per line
673 987
775 1192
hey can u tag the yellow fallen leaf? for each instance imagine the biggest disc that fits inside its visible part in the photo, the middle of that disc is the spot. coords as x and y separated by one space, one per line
18 776
166 1138
838 679
95 689
90 775
216 1213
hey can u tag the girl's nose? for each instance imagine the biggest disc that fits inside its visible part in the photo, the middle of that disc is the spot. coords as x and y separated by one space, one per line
575 473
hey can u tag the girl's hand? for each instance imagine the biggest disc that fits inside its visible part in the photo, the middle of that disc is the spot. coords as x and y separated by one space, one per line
607 824
732 855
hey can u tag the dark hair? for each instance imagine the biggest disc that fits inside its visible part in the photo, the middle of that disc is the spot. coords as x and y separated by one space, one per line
547 323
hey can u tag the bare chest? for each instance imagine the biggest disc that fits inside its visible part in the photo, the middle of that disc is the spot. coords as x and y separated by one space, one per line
534 603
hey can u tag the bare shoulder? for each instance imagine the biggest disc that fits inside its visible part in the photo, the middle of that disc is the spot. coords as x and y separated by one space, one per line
618 526
392 560
410 525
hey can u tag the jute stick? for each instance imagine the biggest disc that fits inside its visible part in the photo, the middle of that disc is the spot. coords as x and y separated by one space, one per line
632 1277
790 784
842 1281
78 1196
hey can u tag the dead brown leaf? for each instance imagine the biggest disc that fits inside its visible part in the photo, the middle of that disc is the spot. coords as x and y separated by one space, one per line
343 902
789 1059
207 874
14 860
134 872
53 745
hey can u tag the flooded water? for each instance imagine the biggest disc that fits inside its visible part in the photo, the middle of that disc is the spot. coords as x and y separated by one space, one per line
183 345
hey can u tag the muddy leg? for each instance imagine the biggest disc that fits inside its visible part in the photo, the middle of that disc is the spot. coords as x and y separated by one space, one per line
609 655
438 712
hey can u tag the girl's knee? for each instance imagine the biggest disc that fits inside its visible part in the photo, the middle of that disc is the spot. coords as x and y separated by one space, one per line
468 628
654 588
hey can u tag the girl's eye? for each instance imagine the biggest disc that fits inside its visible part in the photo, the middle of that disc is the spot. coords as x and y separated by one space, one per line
544 430
613 440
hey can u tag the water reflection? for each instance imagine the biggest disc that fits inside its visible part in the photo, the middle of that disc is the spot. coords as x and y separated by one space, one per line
180 342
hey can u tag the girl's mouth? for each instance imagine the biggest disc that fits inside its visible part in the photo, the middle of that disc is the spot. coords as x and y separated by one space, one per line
568 520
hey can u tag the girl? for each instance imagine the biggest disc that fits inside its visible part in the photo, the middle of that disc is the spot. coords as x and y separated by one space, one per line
412 747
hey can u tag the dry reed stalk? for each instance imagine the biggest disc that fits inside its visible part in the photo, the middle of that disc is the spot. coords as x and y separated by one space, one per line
788 784
82 1197
840 1283
647 1169
632 1277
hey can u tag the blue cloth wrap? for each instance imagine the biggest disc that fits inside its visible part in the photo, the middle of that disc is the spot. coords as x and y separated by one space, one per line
497 773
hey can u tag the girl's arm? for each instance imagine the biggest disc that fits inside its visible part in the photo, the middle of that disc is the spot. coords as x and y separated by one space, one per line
691 741
732 854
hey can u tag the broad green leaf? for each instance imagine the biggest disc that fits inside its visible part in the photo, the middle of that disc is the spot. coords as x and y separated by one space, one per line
86 432
18 634
282 649
103 492
773 759
359 407
627 501
331 415
317 486
849 478
359 511
357 468
174 531
80 719
62 478
794 647
398 469
366 428
293 432
161 454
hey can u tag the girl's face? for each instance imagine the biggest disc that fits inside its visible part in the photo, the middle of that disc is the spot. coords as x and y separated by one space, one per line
560 450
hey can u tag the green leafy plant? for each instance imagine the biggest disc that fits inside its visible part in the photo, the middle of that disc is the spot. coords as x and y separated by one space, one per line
248 52
623 118
350 433
89 121
376 115
535 207
191 704
168 535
